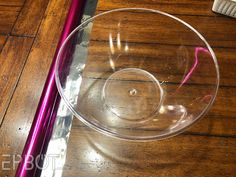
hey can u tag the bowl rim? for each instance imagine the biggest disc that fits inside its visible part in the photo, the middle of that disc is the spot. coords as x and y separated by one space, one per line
103 129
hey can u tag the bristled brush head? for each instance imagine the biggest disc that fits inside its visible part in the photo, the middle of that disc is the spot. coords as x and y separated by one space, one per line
225 7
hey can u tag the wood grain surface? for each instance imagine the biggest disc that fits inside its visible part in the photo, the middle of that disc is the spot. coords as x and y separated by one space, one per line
12 59
22 106
11 3
30 18
2 41
184 155
8 16
29 32
191 7
212 31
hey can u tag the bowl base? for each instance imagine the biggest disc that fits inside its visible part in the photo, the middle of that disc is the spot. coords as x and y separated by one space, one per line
132 94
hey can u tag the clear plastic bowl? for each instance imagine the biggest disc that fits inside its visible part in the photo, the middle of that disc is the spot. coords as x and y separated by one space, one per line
137 74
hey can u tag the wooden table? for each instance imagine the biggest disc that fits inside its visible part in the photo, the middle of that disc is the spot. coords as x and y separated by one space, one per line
29 32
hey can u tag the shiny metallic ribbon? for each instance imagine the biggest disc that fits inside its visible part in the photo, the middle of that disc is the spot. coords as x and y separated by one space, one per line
43 122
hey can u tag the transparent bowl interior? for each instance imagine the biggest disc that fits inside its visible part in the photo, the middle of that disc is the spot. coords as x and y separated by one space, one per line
137 74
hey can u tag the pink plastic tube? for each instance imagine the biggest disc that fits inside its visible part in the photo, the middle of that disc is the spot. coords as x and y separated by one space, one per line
45 115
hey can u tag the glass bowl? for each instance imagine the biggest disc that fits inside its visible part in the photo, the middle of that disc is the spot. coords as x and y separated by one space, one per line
137 74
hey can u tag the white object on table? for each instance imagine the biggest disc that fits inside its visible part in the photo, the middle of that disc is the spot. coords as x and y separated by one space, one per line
225 7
